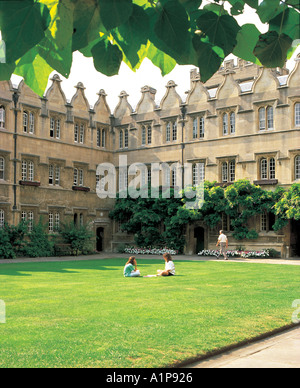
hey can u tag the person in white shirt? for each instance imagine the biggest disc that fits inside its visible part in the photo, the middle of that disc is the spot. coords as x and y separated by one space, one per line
223 242
169 266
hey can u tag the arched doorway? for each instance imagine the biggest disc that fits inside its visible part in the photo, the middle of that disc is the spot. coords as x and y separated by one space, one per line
99 239
199 236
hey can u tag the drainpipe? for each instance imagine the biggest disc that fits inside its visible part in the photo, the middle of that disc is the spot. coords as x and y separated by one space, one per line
15 100
183 115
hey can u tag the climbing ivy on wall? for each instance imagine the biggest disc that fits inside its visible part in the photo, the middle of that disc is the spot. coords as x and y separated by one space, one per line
41 35
160 222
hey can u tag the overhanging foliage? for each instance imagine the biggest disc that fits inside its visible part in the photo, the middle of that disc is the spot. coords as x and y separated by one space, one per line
41 35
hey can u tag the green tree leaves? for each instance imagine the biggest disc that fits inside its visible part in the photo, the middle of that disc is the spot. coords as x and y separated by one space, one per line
221 30
167 32
115 12
172 26
22 24
107 57
273 48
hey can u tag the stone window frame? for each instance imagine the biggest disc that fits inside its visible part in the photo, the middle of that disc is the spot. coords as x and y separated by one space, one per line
28 170
146 133
169 129
56 128
198 130
269 166
195 164
80 130
2 168
263 114
2 218
2 116
28 120
296 111
296 167
230 174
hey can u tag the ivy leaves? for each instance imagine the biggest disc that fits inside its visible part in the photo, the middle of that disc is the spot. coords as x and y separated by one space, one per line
165 31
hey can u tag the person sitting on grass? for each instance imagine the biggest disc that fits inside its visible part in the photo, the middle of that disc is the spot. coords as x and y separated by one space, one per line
169 267
130 269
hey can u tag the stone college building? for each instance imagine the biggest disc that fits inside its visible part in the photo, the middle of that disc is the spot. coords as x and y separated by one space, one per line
244 123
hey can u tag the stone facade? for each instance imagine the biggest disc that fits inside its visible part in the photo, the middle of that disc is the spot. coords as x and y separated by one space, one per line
244 123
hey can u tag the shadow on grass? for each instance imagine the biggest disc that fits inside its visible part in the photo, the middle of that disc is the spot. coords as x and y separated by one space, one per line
72 267
67 267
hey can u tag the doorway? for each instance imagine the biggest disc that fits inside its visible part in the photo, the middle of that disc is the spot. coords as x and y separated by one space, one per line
295 238
99 239
199 236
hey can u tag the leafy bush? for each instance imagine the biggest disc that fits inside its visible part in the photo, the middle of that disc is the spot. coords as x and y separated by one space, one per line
6 248
79 237
38 244
12 240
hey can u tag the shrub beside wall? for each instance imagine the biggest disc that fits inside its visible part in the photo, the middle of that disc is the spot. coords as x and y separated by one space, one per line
17 241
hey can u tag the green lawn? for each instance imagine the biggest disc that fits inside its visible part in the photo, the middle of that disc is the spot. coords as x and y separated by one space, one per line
85 314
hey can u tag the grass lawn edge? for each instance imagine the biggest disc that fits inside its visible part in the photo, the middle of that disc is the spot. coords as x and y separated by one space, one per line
231 347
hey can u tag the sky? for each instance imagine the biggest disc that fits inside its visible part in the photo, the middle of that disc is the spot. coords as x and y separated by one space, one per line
132 82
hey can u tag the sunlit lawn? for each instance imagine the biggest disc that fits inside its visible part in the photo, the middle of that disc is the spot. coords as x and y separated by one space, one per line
85 314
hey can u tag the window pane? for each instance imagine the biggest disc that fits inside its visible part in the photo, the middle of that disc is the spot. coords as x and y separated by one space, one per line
57 129
121 139
126 138
264 220
168 132
174 131
30 171
30 221
224 172
198 173
24 170
103 138
201 127
81 133
52 126
232 123
57 176
262 119
31 123
81 177
297 114
2 117
75 177
2 166
2 218
25 122
143 136
50 223
195 128
98 137
51 174
57 221
76 133
272 168
264 169
225 124
149 134
270 118
297 167
232 171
